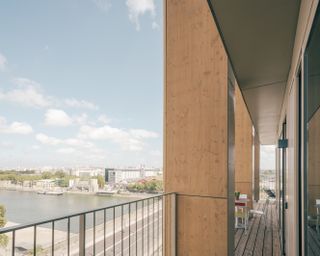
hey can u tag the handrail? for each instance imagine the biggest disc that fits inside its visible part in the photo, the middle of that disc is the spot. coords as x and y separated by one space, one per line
46 221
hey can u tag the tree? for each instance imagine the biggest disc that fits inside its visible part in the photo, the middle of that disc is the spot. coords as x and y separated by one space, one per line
46 175
101 181
3 238
60 174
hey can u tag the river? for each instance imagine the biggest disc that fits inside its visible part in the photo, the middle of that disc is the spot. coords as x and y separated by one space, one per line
26 207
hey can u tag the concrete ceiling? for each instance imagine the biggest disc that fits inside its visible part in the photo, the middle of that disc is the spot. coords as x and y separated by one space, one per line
259 38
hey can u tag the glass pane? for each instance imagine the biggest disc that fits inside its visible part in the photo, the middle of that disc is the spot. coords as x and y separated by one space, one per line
313 142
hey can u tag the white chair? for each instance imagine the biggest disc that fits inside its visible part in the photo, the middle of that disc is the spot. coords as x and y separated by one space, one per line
241 213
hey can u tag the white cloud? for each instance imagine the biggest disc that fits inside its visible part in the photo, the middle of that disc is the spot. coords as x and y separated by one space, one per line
267 157
46 140
3 62
27 94
80 104
15 127
35 147
140 7
143 134
104 119
66 150
155 25
103 5
81 119
69 142
57 117
131 140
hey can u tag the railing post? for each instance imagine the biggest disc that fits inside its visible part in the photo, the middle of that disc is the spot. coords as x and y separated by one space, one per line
173 224
82 237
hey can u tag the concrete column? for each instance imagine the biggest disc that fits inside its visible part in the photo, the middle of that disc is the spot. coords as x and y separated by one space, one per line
199 133
243 148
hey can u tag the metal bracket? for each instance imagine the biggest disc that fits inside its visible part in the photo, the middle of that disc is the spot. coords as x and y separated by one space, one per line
283 143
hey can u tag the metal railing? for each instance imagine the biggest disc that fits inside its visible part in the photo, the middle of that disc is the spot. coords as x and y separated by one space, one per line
131 228
267 183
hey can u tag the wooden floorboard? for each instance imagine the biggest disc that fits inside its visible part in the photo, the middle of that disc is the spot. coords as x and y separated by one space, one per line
262 236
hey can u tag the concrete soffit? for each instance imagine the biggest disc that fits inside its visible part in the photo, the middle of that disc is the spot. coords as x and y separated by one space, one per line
259 38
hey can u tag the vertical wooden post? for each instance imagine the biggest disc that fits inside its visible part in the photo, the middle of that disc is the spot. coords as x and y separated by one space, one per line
243 148
197 147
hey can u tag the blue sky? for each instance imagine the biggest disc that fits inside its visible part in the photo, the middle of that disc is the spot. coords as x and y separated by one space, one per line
81 83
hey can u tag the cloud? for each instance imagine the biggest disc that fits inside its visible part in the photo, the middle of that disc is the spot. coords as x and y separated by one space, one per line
155 25
3 62
267 157
131 140
27 94
143 134
57 117
35 147
80 104
14 127
66 150
103 5
46 140
81 119
70 142
138 8
104 119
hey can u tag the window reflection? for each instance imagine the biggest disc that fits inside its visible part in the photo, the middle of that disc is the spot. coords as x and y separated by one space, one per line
313 140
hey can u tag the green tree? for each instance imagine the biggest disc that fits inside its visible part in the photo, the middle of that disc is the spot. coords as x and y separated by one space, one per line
60 174
3 238
101 181
46 175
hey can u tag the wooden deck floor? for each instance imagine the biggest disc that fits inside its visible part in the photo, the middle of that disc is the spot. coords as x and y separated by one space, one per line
262 236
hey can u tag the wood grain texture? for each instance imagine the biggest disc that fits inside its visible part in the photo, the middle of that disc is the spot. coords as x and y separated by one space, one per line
243 147
196 129
196 101
202 226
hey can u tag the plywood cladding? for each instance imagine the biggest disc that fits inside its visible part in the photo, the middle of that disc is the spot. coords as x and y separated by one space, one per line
243 147
196 101
196 129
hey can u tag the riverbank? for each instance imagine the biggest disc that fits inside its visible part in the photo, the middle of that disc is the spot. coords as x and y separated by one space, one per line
125 194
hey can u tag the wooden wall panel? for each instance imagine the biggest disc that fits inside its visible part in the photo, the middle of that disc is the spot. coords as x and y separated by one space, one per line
208 217
196 101
196 129
243 147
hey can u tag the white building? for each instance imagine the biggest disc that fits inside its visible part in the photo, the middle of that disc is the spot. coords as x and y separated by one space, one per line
130 174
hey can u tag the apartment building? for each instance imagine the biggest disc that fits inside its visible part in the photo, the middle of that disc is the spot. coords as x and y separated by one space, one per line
267 52
238 74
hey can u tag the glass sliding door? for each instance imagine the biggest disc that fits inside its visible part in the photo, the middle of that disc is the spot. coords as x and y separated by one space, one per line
312 142
282 188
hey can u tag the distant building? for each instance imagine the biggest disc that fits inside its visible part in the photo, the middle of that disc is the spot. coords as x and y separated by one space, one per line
87 172
129 174
106 173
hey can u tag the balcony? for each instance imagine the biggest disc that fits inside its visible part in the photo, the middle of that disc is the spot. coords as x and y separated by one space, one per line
131 228
262 236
